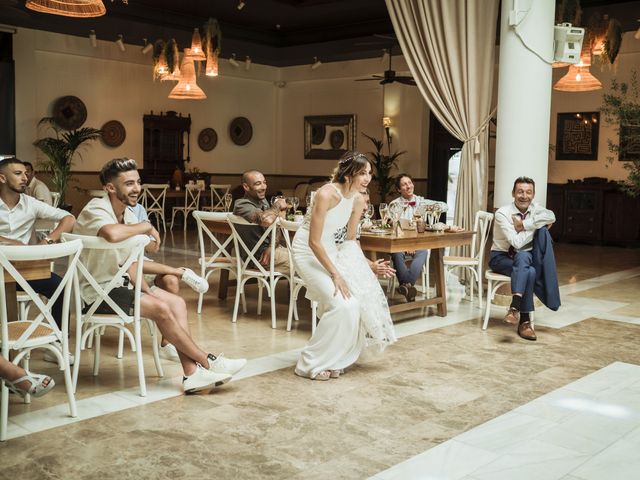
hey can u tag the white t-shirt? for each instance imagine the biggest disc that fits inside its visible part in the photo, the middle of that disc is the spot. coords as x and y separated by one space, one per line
505 234
17 223
102 264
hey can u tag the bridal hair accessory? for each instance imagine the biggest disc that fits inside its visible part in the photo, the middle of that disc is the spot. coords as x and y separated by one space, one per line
351 157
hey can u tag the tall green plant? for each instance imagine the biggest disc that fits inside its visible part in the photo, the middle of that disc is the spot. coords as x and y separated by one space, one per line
621 107
383 166
60 151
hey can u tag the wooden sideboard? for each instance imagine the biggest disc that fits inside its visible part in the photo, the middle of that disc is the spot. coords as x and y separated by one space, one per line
594 211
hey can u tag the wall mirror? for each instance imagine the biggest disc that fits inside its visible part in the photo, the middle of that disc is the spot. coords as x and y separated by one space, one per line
329 136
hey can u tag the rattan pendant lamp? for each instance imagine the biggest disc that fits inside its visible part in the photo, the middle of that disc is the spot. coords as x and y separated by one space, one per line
579 78
187 88
68 8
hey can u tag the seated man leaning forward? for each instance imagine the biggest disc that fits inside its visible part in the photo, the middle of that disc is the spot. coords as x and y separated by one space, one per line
18 214
108 217
407 277
518 231
254 208
168 278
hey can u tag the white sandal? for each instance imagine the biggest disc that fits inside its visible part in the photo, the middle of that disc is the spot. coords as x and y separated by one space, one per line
37 388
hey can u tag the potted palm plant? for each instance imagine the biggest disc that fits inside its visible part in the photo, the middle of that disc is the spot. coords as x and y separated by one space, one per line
383 166
61 150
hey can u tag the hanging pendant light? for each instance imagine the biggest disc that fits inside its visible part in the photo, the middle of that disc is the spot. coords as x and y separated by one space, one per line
211 70
196 46
173 76
172 55
161 69
579 78
187 88
68 8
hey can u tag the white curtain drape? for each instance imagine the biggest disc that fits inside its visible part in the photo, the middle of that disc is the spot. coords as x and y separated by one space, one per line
449 46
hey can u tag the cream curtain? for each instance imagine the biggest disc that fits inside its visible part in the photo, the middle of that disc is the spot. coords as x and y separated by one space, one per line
449 46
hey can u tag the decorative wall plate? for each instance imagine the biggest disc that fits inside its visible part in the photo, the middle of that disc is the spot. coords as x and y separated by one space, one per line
336 139
113 133
240 130
69 112
207 139
318 132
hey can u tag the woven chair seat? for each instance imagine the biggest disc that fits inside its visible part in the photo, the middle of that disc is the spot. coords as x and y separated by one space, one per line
16 329
459 259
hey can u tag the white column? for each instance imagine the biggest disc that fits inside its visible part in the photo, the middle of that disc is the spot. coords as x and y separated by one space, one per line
524 97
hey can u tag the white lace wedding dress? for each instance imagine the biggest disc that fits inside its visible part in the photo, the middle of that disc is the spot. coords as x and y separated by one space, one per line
346 326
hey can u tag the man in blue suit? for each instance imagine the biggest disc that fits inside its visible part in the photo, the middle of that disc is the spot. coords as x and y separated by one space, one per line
522 249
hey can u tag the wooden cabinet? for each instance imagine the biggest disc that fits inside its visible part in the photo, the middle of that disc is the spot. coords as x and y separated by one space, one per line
594 211
165 143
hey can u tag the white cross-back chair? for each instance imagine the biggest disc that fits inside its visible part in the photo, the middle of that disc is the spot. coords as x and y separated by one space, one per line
249 267
55 197
494 282
41 332
296 283
474 263
91 323
153 200
221 257
220 198
191 204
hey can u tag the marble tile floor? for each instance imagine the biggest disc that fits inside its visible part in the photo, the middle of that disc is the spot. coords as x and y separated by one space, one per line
443 378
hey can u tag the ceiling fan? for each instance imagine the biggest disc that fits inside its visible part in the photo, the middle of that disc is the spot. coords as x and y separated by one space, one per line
389 76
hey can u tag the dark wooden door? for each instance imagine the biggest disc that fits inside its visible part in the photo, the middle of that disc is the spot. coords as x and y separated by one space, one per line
442 146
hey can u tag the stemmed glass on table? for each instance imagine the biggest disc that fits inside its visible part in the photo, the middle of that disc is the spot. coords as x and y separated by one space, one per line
383 208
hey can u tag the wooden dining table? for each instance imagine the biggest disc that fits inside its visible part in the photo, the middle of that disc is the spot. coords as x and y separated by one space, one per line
406 241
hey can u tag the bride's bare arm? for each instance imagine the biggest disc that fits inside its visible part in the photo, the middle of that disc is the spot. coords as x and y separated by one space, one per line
325 199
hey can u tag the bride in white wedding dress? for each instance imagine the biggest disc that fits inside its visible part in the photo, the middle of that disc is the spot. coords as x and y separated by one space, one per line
353 309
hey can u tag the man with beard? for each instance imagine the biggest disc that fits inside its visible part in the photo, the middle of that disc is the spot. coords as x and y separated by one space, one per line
520 232
18 213
108 217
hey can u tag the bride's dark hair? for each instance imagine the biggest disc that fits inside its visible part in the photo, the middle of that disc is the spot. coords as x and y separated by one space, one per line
350 164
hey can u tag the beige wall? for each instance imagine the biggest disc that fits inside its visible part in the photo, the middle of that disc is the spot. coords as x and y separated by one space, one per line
118 85
562 170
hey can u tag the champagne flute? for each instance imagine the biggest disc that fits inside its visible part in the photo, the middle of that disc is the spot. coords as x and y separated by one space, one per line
227 200
295 202
383 208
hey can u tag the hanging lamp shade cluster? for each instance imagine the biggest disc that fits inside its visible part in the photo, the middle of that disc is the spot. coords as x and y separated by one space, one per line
187 88
211 69
196 51
68 8
579 78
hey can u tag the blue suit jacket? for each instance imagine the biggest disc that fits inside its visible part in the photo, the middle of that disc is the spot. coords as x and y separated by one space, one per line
544 261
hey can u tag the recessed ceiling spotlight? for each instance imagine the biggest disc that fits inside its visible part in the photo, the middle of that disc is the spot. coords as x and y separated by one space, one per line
233 60
93 39
316 63
120 43
240 4
147 47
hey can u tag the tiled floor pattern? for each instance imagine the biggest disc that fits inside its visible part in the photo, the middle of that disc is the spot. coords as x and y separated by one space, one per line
443 378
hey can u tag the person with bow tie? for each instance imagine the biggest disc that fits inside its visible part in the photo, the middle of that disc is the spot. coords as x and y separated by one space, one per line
522 249
407 275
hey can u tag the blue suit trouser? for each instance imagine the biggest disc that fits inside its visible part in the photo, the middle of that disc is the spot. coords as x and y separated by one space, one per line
520 269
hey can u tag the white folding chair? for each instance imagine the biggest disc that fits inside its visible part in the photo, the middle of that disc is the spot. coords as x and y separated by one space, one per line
220 198
191 204
296 283
153 199
221 258
475 262
55 196
250 266
41 332
494 282
92 323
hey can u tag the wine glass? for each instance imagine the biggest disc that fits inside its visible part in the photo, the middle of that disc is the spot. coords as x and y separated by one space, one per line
369 212
295 202
275 198
383 208
227 200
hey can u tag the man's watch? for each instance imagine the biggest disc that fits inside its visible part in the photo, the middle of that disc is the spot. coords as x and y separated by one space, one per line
49 241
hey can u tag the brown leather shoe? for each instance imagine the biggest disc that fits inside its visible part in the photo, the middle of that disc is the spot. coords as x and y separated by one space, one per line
512 317
412 292
525 330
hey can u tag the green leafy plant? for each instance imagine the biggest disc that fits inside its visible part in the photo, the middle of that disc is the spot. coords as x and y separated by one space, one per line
621 107
61 150
383 165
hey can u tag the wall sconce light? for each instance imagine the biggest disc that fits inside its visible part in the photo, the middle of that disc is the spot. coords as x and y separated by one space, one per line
316 63
247 62
120 43
147 47
233 61
240 4
93 39
386 123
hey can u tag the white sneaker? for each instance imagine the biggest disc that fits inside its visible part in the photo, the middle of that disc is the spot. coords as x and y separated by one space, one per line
169 352
220 364
196 282
203 379
51 357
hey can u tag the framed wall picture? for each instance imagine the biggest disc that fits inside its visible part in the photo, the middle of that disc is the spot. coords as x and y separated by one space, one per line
329 136
577 136
629 143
